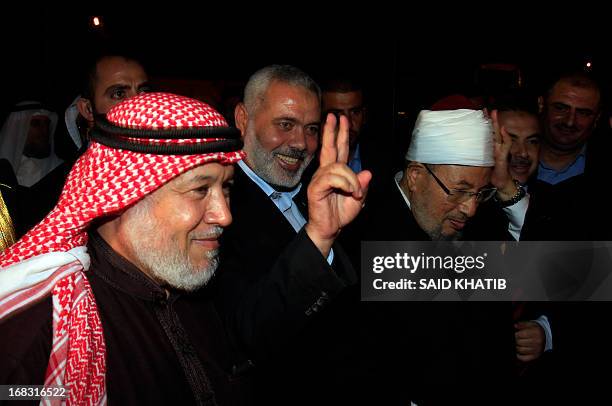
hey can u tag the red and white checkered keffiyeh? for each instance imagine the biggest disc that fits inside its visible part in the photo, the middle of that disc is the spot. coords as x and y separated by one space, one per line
51 258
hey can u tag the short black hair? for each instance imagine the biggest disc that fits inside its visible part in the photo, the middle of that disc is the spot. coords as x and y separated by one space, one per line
109 51
341 84
577 78
516 100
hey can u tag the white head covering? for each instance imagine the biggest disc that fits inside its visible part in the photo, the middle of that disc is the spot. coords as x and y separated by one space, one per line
13 137
452 137
70 117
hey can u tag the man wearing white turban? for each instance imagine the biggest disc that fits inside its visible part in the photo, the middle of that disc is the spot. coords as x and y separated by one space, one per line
450 164
455 150
448 173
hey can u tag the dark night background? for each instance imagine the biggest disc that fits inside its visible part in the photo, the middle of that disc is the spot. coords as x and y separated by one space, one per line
406 58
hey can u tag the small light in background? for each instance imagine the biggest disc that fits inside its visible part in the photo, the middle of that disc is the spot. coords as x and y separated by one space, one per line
588 65
96 22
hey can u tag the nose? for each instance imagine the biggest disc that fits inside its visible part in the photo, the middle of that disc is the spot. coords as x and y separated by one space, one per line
469 207
298 139
350 118
131 92
570 118
218 211
518 148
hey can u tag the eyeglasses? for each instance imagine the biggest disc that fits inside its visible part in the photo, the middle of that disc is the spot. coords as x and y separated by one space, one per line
461 196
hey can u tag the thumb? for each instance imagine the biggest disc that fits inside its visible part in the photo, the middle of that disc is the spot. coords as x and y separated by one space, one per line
522 325
364 178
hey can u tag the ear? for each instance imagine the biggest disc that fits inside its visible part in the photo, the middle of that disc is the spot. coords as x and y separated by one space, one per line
540 104
241 117
596 122
413 172
85 109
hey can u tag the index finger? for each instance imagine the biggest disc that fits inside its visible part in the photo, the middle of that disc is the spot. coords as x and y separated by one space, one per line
342 142
329 152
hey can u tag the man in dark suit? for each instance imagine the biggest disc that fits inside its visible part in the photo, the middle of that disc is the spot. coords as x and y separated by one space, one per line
573 163
567 206
448 170
280 121
345 97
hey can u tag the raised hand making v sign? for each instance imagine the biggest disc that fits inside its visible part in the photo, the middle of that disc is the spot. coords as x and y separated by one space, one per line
336 194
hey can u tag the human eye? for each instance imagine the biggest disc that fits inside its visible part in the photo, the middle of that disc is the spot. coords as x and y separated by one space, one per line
534 141
285 125
144 89
118 94
461 192
560 107
227 187
356 111
336 113
313 130
201 191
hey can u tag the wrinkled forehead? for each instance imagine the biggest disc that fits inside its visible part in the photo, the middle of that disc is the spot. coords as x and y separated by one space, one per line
112 64
283 93
208 172
519 122
583 96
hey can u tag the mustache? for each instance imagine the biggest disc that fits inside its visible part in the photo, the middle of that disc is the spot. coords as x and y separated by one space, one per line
292 153
214 232
566 127
520 161
459 217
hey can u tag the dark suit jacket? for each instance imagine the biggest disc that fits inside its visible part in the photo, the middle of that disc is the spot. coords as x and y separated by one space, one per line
577 209
272 287
441 344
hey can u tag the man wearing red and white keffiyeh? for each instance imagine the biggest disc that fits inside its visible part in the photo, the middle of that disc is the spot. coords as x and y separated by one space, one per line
51 259
148 200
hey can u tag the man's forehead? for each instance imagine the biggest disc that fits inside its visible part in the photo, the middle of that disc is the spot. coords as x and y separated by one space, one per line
281 93
519 120
209 171
293 102
342 99
117 67
564 91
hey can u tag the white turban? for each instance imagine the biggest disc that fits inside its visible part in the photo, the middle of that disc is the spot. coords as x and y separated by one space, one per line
71 116
452 137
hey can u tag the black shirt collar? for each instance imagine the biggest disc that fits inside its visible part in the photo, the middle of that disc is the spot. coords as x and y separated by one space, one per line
117 271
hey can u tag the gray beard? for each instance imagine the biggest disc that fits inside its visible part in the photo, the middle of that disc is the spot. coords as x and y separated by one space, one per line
264 164
163 258
437 236
436 232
